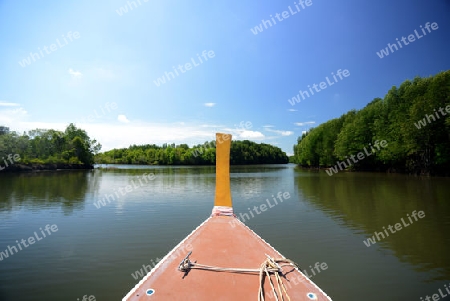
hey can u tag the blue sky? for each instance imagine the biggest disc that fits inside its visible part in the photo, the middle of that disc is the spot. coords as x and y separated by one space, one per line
243 89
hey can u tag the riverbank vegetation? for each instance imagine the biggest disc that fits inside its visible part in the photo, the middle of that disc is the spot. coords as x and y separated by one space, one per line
242 152
414 119
69 149
42 149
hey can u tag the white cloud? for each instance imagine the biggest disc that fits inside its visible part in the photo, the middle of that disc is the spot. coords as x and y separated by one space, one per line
10 117
120 135
123 119
27 126
146 133
243 133
282 133
304 123
75 74
292 110
209 104
8 104
250 135
211 126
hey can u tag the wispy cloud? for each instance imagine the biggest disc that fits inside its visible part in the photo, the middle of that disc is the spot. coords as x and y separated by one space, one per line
243 133
209 104
292 110
8 104
280 132
118 135
250 135
212 126
138 132
123 119
75 74
10 115
304 123
124 134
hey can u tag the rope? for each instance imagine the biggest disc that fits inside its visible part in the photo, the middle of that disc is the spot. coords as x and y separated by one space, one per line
268 267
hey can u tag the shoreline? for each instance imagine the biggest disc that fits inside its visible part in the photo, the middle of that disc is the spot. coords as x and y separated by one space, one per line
46 167
391 170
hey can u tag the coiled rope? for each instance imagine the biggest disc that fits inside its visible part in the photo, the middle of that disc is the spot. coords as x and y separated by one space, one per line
268 267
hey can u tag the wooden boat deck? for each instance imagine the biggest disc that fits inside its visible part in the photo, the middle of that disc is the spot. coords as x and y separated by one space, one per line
221 241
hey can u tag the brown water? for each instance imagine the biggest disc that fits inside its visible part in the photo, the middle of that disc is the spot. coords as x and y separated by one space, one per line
96 250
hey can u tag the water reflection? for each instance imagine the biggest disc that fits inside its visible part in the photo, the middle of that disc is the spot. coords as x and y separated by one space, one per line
66 189
112 241
367 202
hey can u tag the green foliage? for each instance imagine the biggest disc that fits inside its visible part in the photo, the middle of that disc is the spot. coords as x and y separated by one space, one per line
4 130
41 146
242 152
395 118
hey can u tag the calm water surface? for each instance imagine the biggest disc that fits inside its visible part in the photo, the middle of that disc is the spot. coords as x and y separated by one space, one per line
96 250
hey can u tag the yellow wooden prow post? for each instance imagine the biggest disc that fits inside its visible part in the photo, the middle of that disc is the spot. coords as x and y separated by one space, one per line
222 200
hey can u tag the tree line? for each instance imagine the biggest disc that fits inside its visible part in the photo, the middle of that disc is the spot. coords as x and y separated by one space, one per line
42 146
414 119
241 152
74 146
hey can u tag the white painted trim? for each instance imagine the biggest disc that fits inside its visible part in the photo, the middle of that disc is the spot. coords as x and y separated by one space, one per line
307 278
187 237
161 262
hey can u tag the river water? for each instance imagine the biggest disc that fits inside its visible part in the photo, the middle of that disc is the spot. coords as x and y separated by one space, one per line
96 250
